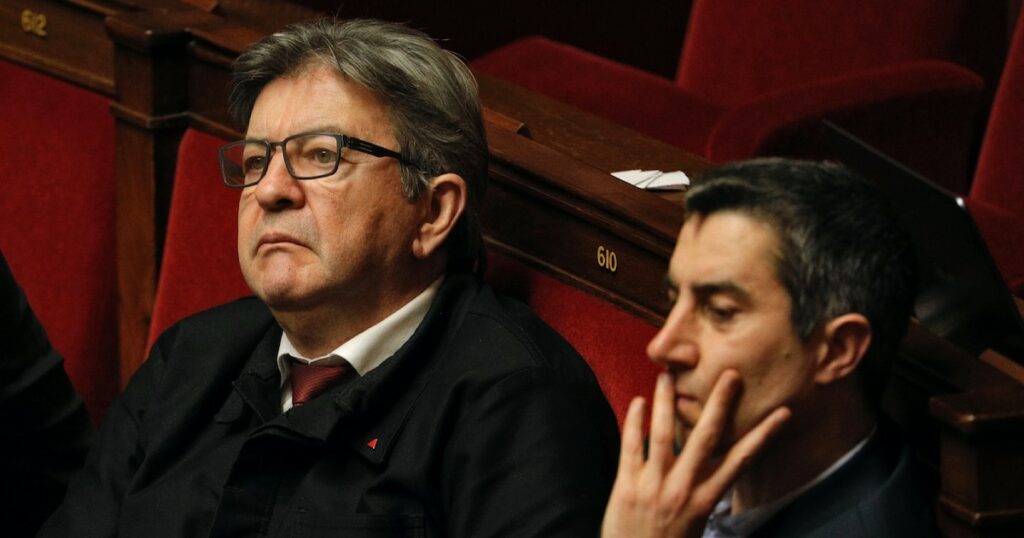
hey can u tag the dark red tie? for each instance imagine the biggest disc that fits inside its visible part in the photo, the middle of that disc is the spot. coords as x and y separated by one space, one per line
308 380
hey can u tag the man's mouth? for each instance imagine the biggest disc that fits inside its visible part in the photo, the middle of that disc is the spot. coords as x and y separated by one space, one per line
688 408
277 238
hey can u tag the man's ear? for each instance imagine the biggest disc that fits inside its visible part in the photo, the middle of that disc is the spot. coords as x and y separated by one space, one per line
446 202
846 340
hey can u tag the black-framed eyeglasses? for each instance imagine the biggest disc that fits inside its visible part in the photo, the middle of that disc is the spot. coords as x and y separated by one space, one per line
306 156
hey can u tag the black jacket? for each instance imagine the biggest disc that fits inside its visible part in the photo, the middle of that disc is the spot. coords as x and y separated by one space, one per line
879 493
45 432
486 423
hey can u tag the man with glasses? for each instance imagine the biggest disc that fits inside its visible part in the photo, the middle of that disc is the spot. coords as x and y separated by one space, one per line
373 387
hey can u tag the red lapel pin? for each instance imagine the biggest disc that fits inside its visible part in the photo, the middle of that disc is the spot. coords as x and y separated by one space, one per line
373 443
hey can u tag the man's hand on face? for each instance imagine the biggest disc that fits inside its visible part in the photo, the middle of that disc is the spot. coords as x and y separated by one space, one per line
672 495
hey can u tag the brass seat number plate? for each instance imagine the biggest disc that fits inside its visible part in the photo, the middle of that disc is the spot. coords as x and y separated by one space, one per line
33 23
606 259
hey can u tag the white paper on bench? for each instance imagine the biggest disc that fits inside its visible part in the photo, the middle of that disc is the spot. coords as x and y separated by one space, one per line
654 179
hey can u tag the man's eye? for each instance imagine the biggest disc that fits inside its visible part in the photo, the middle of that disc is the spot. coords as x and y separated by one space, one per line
323 156
254 163
719 314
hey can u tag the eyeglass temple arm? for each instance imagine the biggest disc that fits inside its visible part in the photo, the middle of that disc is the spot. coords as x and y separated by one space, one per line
372 149
377 151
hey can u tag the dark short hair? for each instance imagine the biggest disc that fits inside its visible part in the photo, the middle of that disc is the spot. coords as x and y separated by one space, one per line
430 95
842 248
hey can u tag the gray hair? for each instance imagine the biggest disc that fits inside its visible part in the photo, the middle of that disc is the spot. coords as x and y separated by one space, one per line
430 95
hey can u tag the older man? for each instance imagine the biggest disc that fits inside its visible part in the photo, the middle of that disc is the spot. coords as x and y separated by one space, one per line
792 286
373 387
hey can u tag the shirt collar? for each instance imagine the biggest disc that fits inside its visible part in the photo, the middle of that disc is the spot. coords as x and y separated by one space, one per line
370 348
725 524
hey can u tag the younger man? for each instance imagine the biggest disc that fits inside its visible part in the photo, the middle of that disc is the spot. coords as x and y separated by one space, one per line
792 286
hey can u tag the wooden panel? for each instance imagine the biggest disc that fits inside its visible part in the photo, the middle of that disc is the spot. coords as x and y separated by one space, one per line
561 181
580 224
60 39
982 448
65 39
151 118
928 366
209 67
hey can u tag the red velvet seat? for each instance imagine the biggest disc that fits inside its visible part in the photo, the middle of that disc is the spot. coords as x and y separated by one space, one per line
200 270
997 195
57 214
754 78
200 261
612 341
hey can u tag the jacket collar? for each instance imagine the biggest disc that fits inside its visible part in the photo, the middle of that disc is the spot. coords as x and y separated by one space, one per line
868 476
368 411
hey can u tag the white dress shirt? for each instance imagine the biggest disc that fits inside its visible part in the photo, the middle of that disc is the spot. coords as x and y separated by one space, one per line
366 350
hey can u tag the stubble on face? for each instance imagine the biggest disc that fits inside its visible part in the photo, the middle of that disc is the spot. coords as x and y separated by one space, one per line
734 313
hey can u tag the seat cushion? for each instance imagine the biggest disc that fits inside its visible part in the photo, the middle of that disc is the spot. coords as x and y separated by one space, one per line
626 95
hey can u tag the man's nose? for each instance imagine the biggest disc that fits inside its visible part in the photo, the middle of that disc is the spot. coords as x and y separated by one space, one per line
675 345
278 189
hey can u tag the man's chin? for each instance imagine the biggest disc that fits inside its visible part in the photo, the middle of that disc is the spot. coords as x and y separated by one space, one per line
280 295
284 301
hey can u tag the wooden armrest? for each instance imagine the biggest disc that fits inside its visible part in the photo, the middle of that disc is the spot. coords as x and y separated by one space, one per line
982 461
982 412
502 121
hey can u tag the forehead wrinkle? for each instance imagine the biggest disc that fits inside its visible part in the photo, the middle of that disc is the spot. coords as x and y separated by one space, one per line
325 127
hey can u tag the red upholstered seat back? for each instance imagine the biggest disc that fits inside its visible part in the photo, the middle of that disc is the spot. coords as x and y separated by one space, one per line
57 220
200 265
1000 176
729 43
612 341
997 194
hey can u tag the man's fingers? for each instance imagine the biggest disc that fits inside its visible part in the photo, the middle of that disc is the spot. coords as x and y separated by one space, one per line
663 417
707 433
631 455
746 449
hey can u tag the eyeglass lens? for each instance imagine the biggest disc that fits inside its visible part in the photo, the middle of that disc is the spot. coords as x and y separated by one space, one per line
306 156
